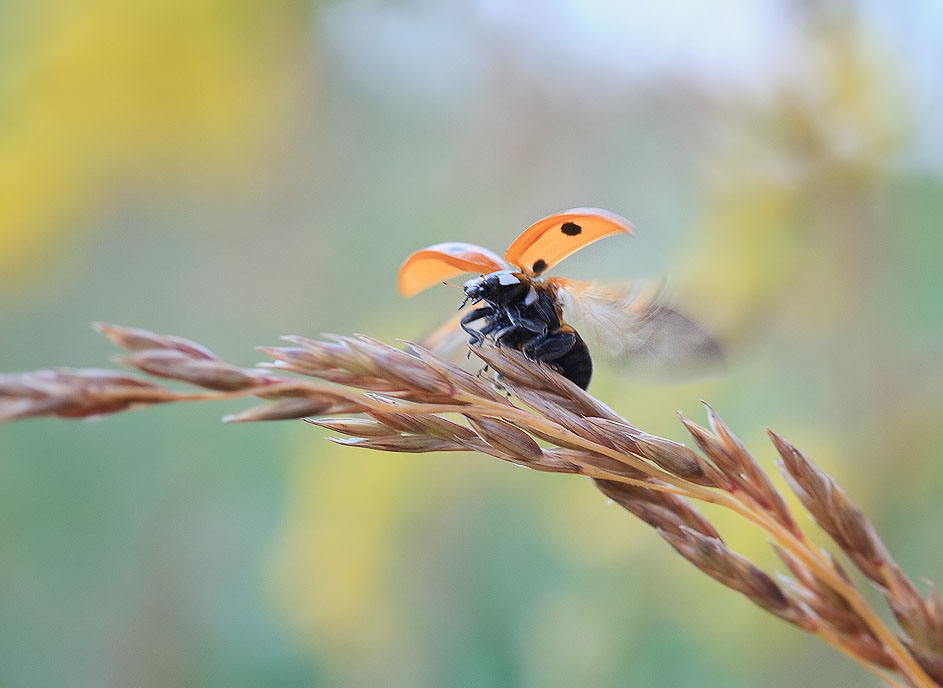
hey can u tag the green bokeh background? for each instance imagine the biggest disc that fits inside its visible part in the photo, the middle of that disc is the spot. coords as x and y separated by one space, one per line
234 171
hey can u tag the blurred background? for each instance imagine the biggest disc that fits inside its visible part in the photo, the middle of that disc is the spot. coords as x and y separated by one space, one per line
231 171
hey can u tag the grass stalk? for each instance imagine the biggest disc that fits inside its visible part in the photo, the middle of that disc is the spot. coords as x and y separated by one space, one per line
389 399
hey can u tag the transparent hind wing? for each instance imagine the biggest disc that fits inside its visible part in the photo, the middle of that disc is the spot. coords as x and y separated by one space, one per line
629 324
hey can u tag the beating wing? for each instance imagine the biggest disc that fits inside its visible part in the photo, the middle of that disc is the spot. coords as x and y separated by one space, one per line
548 241
628 323
434 264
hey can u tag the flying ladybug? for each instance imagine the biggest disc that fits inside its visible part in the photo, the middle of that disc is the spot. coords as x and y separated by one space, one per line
547 318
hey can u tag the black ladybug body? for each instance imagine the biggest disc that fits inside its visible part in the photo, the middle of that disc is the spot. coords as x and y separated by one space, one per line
523 313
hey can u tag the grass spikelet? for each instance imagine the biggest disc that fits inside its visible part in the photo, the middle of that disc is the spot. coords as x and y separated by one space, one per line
388 399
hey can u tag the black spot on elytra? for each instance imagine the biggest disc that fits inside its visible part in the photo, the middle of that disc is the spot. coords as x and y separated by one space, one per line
539 266
570 228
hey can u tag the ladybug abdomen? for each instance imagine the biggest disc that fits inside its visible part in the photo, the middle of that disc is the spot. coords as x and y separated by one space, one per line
576 365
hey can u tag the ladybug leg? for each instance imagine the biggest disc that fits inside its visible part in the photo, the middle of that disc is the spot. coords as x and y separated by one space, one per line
551 346
517 329
476 336
504 333
492 325
529 324
533 326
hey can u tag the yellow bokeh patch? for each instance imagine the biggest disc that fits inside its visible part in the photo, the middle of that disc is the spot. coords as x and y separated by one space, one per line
101 93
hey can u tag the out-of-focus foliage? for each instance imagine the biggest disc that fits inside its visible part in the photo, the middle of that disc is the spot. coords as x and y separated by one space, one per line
99 97
231 171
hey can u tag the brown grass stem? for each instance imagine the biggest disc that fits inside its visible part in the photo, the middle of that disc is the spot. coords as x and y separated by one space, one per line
393 400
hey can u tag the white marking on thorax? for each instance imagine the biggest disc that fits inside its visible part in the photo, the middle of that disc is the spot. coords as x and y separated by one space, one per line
531 297
506 277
